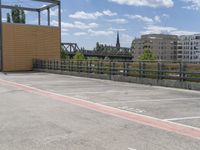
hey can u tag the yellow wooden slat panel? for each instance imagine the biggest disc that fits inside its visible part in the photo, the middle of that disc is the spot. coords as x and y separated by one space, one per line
22 43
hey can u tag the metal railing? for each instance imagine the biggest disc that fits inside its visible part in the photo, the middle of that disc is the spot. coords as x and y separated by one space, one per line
159 70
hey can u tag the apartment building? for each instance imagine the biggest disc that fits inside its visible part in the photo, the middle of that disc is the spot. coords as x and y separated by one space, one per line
162 45
189 48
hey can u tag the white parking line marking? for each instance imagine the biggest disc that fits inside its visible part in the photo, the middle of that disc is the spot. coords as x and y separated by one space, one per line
156 100
127 108
184 118
131 149
93 92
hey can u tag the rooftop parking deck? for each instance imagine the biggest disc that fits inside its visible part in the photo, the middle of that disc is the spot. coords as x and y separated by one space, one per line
49 111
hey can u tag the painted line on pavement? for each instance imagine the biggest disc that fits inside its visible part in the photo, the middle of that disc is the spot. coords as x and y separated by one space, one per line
155 100
183 118
134 117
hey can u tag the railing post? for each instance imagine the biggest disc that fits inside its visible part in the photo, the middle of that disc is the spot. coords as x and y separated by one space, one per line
159 71
102 69
57 65
72 65
90 69
77 66
185 72
181 71
62 65
49 64
113 68
65 65
110 70
141 69
98 68
81 66
124 68
69 65
87 69
127 69
41 64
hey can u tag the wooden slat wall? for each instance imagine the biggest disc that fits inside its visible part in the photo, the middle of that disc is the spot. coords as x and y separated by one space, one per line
22 43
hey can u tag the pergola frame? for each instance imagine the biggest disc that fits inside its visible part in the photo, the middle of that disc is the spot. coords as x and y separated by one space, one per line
52 3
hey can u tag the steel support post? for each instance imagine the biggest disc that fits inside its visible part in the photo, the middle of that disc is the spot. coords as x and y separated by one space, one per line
48 16
1 39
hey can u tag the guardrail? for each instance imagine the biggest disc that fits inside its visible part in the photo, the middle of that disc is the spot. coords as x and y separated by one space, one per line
160 70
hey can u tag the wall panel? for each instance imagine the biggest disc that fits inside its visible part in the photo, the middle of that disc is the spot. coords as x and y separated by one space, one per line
22 43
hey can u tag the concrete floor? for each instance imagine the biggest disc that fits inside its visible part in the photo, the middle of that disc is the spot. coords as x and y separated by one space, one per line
31 121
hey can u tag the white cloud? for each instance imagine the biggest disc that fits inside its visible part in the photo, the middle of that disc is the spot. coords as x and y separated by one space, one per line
192 4
84 15
54 12
140 18
149 3
165 15
64 30
180 32
119 29
147 20
100 33
65 34
157 19
80 33
119 21
94 15
126 40
79 25
54 23
152 29
109 13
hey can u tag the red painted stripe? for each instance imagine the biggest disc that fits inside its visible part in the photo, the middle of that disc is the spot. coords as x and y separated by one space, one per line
141 119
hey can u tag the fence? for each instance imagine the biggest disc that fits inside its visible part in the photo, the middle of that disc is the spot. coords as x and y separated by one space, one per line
155 70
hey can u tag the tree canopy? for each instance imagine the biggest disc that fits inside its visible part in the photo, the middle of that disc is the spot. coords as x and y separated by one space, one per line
147 55
18 16
79 56
64 54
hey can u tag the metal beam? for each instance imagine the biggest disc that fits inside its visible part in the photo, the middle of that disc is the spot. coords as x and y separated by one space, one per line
48 1
19 7
48 6
1 40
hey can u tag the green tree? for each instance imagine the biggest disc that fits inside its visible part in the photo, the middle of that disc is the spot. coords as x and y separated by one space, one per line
79 56
64 54
22 17
97 46
18 16
8 18
147 55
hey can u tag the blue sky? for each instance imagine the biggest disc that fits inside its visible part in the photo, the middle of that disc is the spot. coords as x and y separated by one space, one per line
87 21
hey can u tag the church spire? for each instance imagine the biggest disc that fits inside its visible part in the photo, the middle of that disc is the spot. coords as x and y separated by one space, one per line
118 41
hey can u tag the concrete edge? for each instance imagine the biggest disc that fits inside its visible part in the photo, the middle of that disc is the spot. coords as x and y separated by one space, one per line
145 81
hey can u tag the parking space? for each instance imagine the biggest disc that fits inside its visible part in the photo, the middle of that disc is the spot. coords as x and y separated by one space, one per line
159 102
165 104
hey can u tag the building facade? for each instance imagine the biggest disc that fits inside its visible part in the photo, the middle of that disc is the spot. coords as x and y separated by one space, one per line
189 48
163 46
